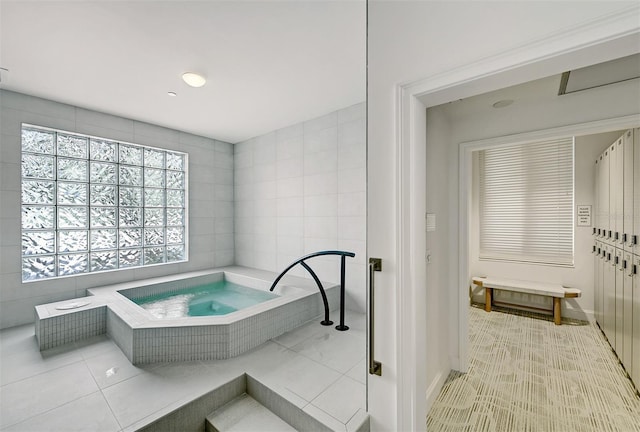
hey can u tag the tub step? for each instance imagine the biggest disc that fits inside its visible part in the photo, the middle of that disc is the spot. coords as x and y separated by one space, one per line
245 414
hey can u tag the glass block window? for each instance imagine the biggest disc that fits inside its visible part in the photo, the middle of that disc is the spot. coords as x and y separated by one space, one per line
92 204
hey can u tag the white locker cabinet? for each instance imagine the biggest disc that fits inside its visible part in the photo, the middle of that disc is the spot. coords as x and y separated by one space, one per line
627 325
604 194
609 284
617 248
597 303
617 190
636 191
596 199
635 365
600 193
597 283
598 300
619 293
601 263
628 186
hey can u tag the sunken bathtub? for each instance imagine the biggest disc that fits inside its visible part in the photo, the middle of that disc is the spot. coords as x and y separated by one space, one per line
149 332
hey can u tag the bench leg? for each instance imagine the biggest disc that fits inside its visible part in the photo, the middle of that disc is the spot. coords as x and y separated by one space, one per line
557 317
488 296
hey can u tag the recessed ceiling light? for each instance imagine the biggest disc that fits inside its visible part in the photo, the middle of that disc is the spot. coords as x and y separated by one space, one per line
193 79
172 94
503 103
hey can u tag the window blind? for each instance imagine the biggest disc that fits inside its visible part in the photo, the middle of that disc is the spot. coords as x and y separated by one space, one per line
526 202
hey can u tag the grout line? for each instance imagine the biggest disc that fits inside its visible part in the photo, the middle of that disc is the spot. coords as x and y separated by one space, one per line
42 373
354 414
49 410
330 415
110 409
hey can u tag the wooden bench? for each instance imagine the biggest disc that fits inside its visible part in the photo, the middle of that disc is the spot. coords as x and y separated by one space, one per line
556 291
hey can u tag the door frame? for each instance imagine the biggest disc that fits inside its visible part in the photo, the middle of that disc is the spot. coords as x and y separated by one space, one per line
600 40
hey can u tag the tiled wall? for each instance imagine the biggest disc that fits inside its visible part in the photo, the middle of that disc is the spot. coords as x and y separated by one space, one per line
302 189
211 241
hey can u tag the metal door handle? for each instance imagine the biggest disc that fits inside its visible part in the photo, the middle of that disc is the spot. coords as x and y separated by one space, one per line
375 264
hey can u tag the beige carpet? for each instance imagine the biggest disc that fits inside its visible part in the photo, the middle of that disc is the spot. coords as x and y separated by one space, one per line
527 374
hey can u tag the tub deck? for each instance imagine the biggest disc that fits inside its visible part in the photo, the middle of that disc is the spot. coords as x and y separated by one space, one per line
146 339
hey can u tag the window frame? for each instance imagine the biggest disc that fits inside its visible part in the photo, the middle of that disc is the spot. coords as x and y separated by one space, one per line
89 228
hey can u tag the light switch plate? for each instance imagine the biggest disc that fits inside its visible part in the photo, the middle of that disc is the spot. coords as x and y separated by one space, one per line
431 222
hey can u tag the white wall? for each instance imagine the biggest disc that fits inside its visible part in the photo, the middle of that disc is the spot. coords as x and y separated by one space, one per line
438 134
300 190
587 149
523 116
444 42
211 242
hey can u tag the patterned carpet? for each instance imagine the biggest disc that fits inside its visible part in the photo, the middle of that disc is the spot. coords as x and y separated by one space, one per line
527 374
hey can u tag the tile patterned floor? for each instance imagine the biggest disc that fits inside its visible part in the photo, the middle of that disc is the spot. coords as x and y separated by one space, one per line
91 386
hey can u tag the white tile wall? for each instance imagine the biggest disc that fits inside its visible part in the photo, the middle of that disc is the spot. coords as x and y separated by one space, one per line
302 189
289 187
211 194
321 183
290 147
290 226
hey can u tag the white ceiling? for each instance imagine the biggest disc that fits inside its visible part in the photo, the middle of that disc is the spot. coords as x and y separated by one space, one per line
269 64
543 91
536 92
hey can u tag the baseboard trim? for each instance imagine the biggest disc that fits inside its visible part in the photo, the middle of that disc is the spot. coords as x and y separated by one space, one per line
454 363
434 388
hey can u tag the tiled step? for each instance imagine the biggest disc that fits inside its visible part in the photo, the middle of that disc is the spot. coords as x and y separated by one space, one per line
246 404
245 414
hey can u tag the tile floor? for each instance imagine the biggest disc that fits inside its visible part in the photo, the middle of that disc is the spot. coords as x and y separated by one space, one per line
91 386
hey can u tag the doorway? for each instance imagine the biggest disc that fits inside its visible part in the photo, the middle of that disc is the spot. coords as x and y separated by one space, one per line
413 101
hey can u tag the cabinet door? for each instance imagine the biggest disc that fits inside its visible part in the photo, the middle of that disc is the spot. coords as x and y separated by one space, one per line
635 365
597 282
636 192
598 285
618 191
619 293
627 306
609 285
605 205
628 204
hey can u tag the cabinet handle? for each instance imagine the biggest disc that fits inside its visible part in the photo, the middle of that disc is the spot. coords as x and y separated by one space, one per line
375 264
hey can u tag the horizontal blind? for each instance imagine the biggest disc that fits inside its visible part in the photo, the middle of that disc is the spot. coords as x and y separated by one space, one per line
526 202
